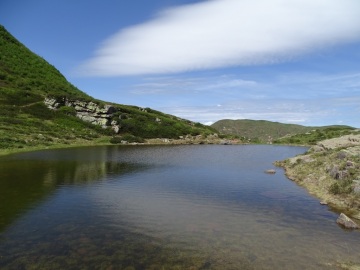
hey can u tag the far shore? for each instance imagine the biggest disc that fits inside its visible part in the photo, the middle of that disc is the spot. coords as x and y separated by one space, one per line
106 141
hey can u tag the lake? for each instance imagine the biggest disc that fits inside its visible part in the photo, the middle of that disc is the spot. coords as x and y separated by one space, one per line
164 207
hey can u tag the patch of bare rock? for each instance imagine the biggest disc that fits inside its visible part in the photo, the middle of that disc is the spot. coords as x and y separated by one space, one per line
346 222
344 141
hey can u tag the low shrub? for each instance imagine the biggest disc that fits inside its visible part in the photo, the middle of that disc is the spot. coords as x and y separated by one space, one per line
341 187
67 110
128 138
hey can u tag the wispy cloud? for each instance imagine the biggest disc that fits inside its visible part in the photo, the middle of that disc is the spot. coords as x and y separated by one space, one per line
222 33
303 98
175 85
304 112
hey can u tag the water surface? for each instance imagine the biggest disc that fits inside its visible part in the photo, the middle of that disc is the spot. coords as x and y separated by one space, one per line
163 207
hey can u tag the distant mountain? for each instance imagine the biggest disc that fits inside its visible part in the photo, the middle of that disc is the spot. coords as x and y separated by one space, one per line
266 131
39 107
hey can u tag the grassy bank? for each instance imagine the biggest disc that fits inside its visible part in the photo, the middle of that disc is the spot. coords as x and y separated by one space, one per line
330 171
75 143
124 140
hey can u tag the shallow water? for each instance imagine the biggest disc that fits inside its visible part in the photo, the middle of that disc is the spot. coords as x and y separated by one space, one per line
163 207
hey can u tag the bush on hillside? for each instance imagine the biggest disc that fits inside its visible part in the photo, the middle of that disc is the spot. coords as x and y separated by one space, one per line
67 110
127 138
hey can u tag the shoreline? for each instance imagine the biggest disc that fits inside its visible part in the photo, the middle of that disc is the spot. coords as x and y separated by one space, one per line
99 142
106 141
338 204
330 171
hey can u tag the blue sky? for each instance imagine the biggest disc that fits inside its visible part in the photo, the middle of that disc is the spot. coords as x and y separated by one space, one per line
292 61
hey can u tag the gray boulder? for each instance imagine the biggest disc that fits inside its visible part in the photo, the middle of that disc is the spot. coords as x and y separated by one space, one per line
345 221
356 187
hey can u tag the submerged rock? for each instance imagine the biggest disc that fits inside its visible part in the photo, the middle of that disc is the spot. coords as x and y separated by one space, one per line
323 203
345 221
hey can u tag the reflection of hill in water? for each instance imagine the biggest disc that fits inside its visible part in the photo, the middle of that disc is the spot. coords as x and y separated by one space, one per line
77 173
26 182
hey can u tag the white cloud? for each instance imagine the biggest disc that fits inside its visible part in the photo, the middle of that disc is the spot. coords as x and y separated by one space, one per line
178 84
230 83
221 33
305 112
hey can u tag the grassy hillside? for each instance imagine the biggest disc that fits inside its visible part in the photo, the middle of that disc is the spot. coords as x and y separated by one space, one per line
26 78
317 135
258 130
25 122
267 131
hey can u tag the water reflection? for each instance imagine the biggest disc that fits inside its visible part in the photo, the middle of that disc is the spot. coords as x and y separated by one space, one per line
178 207
29 178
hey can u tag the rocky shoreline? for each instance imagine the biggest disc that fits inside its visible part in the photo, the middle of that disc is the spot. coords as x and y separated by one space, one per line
330 170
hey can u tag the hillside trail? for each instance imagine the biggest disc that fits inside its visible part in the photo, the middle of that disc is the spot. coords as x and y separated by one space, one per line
30 104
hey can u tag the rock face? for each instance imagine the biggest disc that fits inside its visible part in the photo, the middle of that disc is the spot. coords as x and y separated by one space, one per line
344 141
87 111
346 222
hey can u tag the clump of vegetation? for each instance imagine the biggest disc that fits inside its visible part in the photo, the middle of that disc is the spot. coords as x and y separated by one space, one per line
341 187
68 110
126 138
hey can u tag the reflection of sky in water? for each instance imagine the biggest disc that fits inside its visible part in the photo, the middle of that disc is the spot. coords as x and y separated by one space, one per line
234 200
213 200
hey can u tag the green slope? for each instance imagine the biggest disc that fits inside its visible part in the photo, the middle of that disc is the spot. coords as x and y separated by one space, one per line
258 129
27 79
267 131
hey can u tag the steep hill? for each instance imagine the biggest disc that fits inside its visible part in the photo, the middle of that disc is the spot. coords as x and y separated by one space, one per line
267 131
69 116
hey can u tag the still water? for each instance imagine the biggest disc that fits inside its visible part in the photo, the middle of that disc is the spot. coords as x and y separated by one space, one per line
163 207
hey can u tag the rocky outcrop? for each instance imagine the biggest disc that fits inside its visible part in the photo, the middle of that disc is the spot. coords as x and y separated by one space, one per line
344 141
87 111
331 171
345 221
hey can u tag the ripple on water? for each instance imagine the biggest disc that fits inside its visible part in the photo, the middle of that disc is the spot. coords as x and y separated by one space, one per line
181 207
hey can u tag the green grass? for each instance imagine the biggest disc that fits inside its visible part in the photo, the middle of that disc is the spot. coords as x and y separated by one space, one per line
25 122
258 130
318 172
314 136
261 131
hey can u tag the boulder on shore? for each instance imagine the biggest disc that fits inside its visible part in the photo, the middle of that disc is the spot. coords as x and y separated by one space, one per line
345 221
